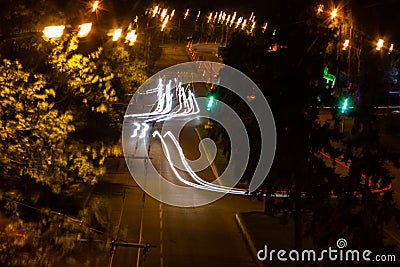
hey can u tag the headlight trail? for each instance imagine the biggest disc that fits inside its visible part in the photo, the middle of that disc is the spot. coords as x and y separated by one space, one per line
189 106
164 103
197 178
144 130
135 131
168 156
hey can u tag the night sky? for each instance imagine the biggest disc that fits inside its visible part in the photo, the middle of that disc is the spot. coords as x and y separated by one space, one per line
378 17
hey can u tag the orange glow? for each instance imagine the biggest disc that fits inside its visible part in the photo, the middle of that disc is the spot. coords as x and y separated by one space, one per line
53 31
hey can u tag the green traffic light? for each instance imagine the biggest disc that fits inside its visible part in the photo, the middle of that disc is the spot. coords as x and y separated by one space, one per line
210 102
344 106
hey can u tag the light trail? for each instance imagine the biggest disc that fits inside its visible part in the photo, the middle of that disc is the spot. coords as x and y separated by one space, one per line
168 156
164 103
136 130
146 127
208 185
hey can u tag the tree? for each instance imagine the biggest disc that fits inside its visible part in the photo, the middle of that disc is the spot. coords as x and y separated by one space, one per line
60 118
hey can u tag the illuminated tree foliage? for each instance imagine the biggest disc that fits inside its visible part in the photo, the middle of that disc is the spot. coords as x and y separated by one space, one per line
59 123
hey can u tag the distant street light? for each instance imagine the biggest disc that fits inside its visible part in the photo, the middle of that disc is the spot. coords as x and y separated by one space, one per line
53 31
320 9
346 44
95 6
131 37
390 49
334 13
115 34
155 10
164 23
379 45
84 29
186 14
264 27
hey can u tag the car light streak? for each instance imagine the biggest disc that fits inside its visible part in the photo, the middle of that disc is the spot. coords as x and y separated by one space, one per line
144 130
168 156
208 185
136 130
164 103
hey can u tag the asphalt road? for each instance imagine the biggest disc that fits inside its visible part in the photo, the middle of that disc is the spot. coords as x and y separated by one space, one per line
200 236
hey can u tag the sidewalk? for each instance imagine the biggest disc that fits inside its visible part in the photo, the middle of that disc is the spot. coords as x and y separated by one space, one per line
275 232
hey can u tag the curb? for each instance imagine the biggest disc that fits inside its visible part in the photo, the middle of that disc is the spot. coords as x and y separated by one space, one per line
249 240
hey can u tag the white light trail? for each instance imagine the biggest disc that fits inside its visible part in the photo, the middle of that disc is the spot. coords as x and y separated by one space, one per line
202 184
146 127
168 156
136 130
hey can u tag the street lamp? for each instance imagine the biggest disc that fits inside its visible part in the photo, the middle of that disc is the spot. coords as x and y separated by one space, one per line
346 44
320 9
53 31
95 6
390 49
379 45
186 14
334 13
84 29
115 34
131 37
164 23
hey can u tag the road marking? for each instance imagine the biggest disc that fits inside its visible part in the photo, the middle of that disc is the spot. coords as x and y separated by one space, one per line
161 236
141 230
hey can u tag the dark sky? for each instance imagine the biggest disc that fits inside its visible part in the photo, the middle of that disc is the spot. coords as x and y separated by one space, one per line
377 17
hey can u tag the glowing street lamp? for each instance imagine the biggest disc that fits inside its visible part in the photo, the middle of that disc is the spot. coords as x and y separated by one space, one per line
320 9
164 23
379 45
131 37
84 29
95 6
164 14
209 17
346 44
391 49
334 13
155 10
53 31
116 34
186 13
264 27
244 24
253 25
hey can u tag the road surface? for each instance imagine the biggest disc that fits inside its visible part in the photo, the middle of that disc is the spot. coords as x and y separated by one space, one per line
201 236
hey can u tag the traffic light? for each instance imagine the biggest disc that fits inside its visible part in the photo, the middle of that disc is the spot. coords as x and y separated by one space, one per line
344 106
209 102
